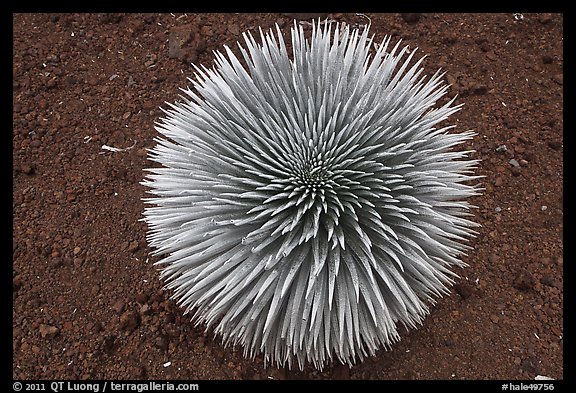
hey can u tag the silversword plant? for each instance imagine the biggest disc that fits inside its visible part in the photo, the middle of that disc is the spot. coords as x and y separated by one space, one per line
307 205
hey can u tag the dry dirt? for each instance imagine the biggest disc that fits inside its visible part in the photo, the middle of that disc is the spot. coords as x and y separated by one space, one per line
87 301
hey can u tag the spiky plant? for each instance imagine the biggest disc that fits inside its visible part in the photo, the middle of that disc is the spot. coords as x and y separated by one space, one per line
307 205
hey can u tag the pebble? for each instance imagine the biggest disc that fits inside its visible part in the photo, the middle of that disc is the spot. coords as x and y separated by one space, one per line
498 209
130 81
145 309
555 145
501 148
514 163
480 89
234 29
52 83
494 319
48 331
491 55
77 250
27 168
118 307
545 19
543 207
524 280
530 364
498 182
464 289
56 262
134 246
558 78
171 330
547 59
161 343
550 281
411 17
519 149
141 298
129 321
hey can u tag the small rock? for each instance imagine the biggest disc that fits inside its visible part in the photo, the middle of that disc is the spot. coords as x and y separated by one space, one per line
544 208
545 19
411 17
498 209
501 148
519 149
514 163
515 171
464 289
498 182
484 46
126 115
141 298
56 262
550 281
494 319
558 78
52 82
129 321
524 280
47 331
183 43
77 250
145 310
111 18
171 330
530 364
27 168
118 307
555 145
161 343
450 38
547 59
109 344
130 81
480 89
234 29
491 55
134 246
16 283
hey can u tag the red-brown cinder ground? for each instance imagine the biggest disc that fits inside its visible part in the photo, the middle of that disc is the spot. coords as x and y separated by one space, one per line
87 300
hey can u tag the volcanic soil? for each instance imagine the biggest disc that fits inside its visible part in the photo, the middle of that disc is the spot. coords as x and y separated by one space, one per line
87 299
